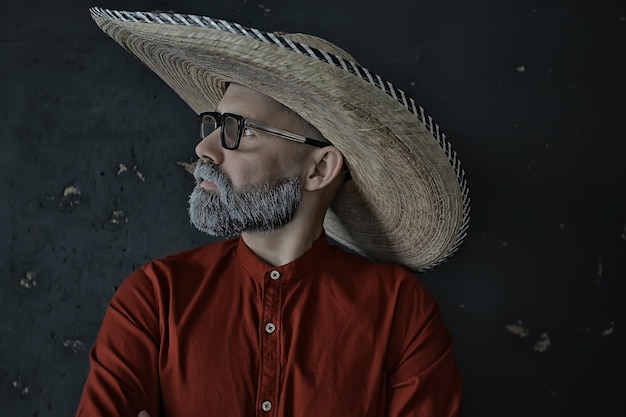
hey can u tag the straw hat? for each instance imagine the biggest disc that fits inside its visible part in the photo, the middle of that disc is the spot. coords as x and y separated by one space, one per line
408 199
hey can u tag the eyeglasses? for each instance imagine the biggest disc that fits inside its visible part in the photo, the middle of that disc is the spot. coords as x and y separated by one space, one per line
233 126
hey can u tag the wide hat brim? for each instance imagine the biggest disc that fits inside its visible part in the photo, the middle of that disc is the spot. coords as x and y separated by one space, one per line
407 201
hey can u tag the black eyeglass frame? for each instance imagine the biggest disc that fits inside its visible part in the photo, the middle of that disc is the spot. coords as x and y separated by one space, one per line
243 123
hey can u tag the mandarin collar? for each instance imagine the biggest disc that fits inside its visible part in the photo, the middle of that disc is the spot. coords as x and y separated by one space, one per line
307 263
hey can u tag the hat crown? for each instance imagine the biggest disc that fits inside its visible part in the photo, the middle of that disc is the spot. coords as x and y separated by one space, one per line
317 43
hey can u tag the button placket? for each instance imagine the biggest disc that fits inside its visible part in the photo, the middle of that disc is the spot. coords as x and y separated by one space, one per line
269 347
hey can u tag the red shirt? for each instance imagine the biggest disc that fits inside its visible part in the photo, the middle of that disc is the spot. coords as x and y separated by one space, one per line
215 331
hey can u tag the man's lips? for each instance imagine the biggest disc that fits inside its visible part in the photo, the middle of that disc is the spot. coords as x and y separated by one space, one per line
208 185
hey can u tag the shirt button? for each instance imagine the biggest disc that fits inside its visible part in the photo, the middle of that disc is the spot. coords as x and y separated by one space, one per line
270 327
274 275
266 406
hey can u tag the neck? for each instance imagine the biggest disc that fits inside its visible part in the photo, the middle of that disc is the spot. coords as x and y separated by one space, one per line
286 244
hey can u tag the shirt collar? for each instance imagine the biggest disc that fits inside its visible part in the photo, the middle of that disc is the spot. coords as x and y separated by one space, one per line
318 254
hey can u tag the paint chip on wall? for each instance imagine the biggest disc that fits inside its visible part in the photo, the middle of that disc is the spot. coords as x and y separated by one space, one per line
70 197
28 281
189 167
517 329
139 174
122 168
24 390
117 217
74 345
543 344
70 191
266 10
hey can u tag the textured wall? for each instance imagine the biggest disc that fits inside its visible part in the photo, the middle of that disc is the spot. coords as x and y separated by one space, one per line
530 93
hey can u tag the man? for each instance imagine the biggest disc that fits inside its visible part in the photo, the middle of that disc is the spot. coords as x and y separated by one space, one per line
276 321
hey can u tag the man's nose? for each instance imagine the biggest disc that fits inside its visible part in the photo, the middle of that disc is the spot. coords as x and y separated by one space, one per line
211 148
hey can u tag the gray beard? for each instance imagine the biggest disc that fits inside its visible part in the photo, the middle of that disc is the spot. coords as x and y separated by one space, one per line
261 207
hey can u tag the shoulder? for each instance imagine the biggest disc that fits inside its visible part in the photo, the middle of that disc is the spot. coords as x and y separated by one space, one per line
193 260
361 268
156 283
178 269
386 281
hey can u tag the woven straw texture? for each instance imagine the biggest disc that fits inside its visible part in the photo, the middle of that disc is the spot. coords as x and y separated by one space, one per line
407 201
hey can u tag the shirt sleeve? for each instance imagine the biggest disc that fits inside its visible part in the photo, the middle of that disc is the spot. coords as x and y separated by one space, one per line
123 377
424 380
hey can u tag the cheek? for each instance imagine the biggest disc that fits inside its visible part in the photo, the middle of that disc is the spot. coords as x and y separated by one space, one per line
282 166
249 172
260 168
266 171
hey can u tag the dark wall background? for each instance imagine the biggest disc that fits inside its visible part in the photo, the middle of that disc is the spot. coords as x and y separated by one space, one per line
530 93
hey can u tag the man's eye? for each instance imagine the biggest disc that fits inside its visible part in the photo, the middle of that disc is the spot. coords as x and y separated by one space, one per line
248 132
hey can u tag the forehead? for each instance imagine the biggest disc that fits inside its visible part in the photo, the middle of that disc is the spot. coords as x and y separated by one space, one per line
251 104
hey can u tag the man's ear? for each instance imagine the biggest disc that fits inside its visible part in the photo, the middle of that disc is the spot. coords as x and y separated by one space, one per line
326 166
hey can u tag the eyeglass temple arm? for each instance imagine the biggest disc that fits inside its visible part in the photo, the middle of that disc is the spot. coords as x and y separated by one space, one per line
287 135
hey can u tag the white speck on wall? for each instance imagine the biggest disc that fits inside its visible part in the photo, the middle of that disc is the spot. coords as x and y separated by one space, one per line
28 281
608 330
74 345
122 168
517 329
17 384
543 344
139 174
520 68
71 190
71 196
118 217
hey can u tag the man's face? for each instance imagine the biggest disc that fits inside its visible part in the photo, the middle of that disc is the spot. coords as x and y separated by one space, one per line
256 187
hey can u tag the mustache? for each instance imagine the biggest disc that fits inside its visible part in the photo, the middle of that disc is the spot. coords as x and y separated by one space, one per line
206 170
